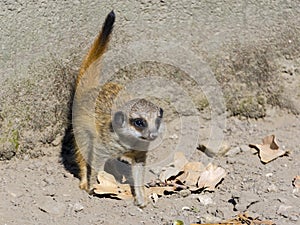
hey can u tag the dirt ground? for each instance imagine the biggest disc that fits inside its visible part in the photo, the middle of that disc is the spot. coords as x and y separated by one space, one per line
226 74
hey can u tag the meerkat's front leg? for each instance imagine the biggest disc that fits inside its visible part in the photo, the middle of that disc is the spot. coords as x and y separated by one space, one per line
138 174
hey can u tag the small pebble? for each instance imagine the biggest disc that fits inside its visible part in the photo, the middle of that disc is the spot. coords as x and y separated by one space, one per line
57 141
272 188
78 207
186 208
185 193
233 151
269 174
173 137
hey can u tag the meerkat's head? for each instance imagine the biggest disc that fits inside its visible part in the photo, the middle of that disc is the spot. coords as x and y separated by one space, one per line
138 123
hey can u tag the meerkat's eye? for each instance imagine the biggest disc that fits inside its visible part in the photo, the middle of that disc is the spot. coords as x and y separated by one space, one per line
139 123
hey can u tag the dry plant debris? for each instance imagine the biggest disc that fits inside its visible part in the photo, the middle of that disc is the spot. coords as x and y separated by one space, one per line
109 187
269 149
191 175
242 219
296 183
181 174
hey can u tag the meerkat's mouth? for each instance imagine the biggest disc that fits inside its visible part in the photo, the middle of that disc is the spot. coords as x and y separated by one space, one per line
147 138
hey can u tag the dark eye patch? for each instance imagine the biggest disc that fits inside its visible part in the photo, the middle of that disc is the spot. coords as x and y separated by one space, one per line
161 113
139 123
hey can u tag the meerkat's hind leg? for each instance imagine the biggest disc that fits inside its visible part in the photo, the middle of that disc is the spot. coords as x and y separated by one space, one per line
84 183
84 164
83 171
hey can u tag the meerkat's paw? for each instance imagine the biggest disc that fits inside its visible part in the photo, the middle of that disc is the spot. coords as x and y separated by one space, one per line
140 202
83 185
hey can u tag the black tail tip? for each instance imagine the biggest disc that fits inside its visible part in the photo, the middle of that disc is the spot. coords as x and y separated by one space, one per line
111 14
108 25
110 19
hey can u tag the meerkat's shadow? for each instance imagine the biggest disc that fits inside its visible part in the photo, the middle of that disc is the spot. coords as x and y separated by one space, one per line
68 152
68 145
120 169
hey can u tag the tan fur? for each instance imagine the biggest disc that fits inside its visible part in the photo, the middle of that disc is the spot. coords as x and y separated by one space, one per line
95 128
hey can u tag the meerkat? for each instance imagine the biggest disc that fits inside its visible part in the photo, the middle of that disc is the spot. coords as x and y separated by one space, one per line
124 132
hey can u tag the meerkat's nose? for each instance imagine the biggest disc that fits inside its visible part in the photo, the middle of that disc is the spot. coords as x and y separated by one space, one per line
153 135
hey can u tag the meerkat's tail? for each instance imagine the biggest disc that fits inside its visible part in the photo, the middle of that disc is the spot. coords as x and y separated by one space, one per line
82 111
99 46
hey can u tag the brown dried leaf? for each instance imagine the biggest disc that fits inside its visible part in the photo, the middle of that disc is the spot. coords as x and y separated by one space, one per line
175 169
191 174
242 219
211 177
169 174
189 178
109 186
269 149
160 191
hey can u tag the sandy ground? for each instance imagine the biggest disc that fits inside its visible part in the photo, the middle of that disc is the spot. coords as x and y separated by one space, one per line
40 191
232 73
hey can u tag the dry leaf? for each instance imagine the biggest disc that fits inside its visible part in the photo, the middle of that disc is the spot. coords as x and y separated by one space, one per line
109 186
269 149
175 168
160 191
169 173
211 177
189 178
191 173
241 219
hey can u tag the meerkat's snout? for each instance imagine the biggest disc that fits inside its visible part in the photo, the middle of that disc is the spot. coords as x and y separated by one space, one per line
153 135
153 128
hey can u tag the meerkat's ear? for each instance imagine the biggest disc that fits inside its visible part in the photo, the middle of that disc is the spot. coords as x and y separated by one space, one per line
119 119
